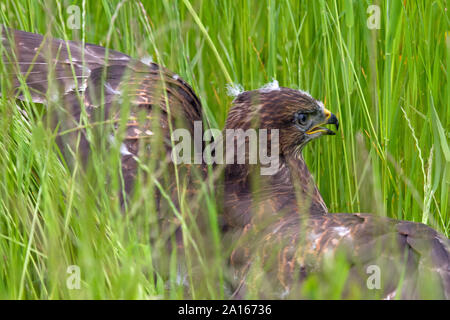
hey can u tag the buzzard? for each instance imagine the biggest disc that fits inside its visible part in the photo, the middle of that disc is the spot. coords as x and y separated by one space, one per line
279 222
282 231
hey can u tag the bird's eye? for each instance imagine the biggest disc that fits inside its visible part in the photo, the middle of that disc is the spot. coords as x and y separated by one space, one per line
301 118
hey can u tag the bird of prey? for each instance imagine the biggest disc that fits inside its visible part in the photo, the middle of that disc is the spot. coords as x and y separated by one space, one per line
282 231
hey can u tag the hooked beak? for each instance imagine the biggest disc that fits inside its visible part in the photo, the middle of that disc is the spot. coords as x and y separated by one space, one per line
329 119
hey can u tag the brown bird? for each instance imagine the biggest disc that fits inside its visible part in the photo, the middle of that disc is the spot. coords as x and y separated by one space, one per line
282 231
91 86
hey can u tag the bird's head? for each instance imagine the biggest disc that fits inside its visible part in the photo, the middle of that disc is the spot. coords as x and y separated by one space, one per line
296 114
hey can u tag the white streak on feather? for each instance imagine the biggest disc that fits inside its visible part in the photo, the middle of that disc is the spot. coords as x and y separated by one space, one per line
313 237
124 150
54 96
342 231
111 90
71 87
111 138
271 86
285 293
306 93
391 295
83 86
321 105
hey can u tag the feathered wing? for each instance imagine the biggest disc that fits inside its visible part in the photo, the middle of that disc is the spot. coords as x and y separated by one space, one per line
77 67
94 83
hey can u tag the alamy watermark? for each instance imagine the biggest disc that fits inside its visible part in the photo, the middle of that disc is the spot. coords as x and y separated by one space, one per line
374 280
231 149
373 21
74 18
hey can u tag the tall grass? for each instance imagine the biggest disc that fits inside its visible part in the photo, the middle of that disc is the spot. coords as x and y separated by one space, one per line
389 88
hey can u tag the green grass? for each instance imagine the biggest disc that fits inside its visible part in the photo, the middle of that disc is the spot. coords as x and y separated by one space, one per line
388 87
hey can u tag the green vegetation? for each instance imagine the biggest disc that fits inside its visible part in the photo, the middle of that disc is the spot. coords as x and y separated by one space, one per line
388 87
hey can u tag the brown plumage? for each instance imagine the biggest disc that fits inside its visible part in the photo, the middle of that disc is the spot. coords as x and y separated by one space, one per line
282 232
282 223
275 109
95 89
94 83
